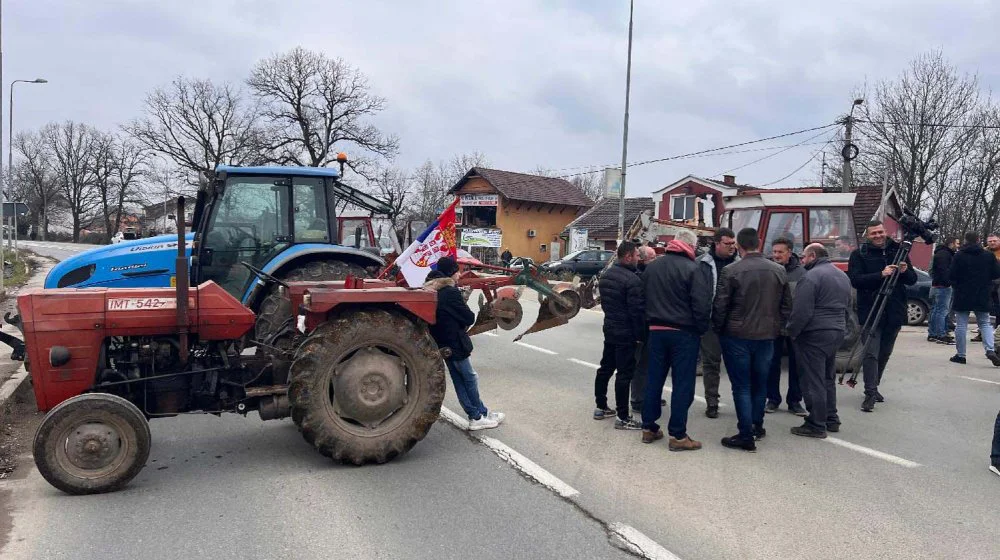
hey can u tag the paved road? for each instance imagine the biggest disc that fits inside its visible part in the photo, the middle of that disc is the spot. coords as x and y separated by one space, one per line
58 251
907 481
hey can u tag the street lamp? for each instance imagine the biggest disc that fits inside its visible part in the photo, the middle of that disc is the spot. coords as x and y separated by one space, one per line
10 146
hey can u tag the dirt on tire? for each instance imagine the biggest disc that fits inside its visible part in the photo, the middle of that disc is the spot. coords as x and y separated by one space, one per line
275 308
334 342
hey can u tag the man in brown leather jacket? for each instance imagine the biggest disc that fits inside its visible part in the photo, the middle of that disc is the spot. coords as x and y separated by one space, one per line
752 305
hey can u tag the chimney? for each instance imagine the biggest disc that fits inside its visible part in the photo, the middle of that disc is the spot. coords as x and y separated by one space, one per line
729 180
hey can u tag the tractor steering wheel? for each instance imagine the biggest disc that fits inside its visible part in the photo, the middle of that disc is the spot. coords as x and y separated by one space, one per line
267 278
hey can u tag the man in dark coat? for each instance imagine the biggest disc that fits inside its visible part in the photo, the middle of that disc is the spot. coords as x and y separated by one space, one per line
678 307
624 330
782 253
867 268
506 257
452 319
817 328
972 273
941 292
751 307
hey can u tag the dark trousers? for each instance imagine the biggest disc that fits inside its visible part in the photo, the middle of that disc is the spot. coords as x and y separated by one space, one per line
995 453
641 375
781 346
877 356
711 365
621 358
817 357
748 363
676 351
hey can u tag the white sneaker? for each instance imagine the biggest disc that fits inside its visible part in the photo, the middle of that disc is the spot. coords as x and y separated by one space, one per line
995 470
498 417
484 423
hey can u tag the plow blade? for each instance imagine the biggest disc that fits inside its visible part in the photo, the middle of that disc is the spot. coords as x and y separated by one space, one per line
555 311
504 313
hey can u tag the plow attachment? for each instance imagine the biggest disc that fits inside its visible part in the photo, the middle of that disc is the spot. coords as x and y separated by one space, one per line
499 304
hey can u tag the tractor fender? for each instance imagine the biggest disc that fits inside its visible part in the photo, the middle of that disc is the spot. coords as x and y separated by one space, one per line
312 251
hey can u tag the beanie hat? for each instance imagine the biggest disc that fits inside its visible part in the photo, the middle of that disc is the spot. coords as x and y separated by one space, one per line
447 266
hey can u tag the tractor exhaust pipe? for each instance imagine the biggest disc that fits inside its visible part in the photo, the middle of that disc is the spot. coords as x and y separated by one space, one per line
182 281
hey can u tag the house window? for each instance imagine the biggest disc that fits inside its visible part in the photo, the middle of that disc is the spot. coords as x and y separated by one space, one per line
682 207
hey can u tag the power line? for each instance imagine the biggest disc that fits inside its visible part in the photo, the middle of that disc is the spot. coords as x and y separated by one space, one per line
797 169
769 156
936 125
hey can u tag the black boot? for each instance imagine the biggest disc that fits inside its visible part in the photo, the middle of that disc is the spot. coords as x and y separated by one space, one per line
869 404
759 432
737 442
712 411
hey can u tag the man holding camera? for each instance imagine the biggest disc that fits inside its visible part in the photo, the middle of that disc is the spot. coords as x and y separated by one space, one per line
869 266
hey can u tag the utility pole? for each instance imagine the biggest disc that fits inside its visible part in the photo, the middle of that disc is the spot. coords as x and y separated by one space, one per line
628 89
3 185
822 173
849 151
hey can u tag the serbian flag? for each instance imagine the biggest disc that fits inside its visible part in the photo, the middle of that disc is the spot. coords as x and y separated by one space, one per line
437 241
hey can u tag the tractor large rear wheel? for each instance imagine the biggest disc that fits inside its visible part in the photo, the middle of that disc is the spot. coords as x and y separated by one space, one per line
367 386
92 443
275 310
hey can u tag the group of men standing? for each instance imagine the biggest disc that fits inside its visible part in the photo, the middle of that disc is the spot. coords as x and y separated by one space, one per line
724 307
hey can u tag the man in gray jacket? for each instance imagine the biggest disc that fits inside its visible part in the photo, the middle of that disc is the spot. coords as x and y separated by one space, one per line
817 328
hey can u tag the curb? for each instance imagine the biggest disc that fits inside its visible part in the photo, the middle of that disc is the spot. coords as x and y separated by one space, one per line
11 386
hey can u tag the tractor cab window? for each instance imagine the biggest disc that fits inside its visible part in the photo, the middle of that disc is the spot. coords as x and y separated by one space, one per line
249 223
349 228
744 218
309 211
787 225
834 228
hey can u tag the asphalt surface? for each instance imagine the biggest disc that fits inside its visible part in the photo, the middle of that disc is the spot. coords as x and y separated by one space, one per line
909 480
58 251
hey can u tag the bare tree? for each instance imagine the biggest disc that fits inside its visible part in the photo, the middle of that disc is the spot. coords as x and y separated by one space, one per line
431 182
75 146
392 186
315 103
34 179
199 125
120 166
918 126
589 184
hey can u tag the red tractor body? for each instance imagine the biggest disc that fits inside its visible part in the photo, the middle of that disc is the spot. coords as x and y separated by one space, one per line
81 320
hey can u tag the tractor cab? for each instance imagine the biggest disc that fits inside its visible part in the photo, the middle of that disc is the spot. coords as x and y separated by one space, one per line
804 216
277 219
267 216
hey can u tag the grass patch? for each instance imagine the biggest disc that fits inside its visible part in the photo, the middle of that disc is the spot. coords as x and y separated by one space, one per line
23 266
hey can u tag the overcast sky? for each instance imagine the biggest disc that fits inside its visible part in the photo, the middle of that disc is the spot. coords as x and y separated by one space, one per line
528 83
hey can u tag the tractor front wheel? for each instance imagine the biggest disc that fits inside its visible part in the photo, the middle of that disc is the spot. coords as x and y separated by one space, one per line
92 443
367 386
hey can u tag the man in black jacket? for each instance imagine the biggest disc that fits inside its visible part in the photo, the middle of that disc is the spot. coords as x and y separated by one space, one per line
678 307
972 273
782 253
452 319
941 292
867 268
751 308
624 330
817 328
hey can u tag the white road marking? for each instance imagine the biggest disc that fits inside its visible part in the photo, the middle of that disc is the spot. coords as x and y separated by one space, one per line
980 380
529 467
452 417
539 349
490 333
583 363
641 544
518 461
873 453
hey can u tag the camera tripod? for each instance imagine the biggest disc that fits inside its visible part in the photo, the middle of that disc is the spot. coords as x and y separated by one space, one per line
878 308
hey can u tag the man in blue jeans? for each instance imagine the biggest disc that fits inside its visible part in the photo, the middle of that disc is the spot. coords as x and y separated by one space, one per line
678 303
752 305
937 325
972 273
451 321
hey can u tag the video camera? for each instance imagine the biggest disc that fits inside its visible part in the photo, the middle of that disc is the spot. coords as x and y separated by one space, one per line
913 227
